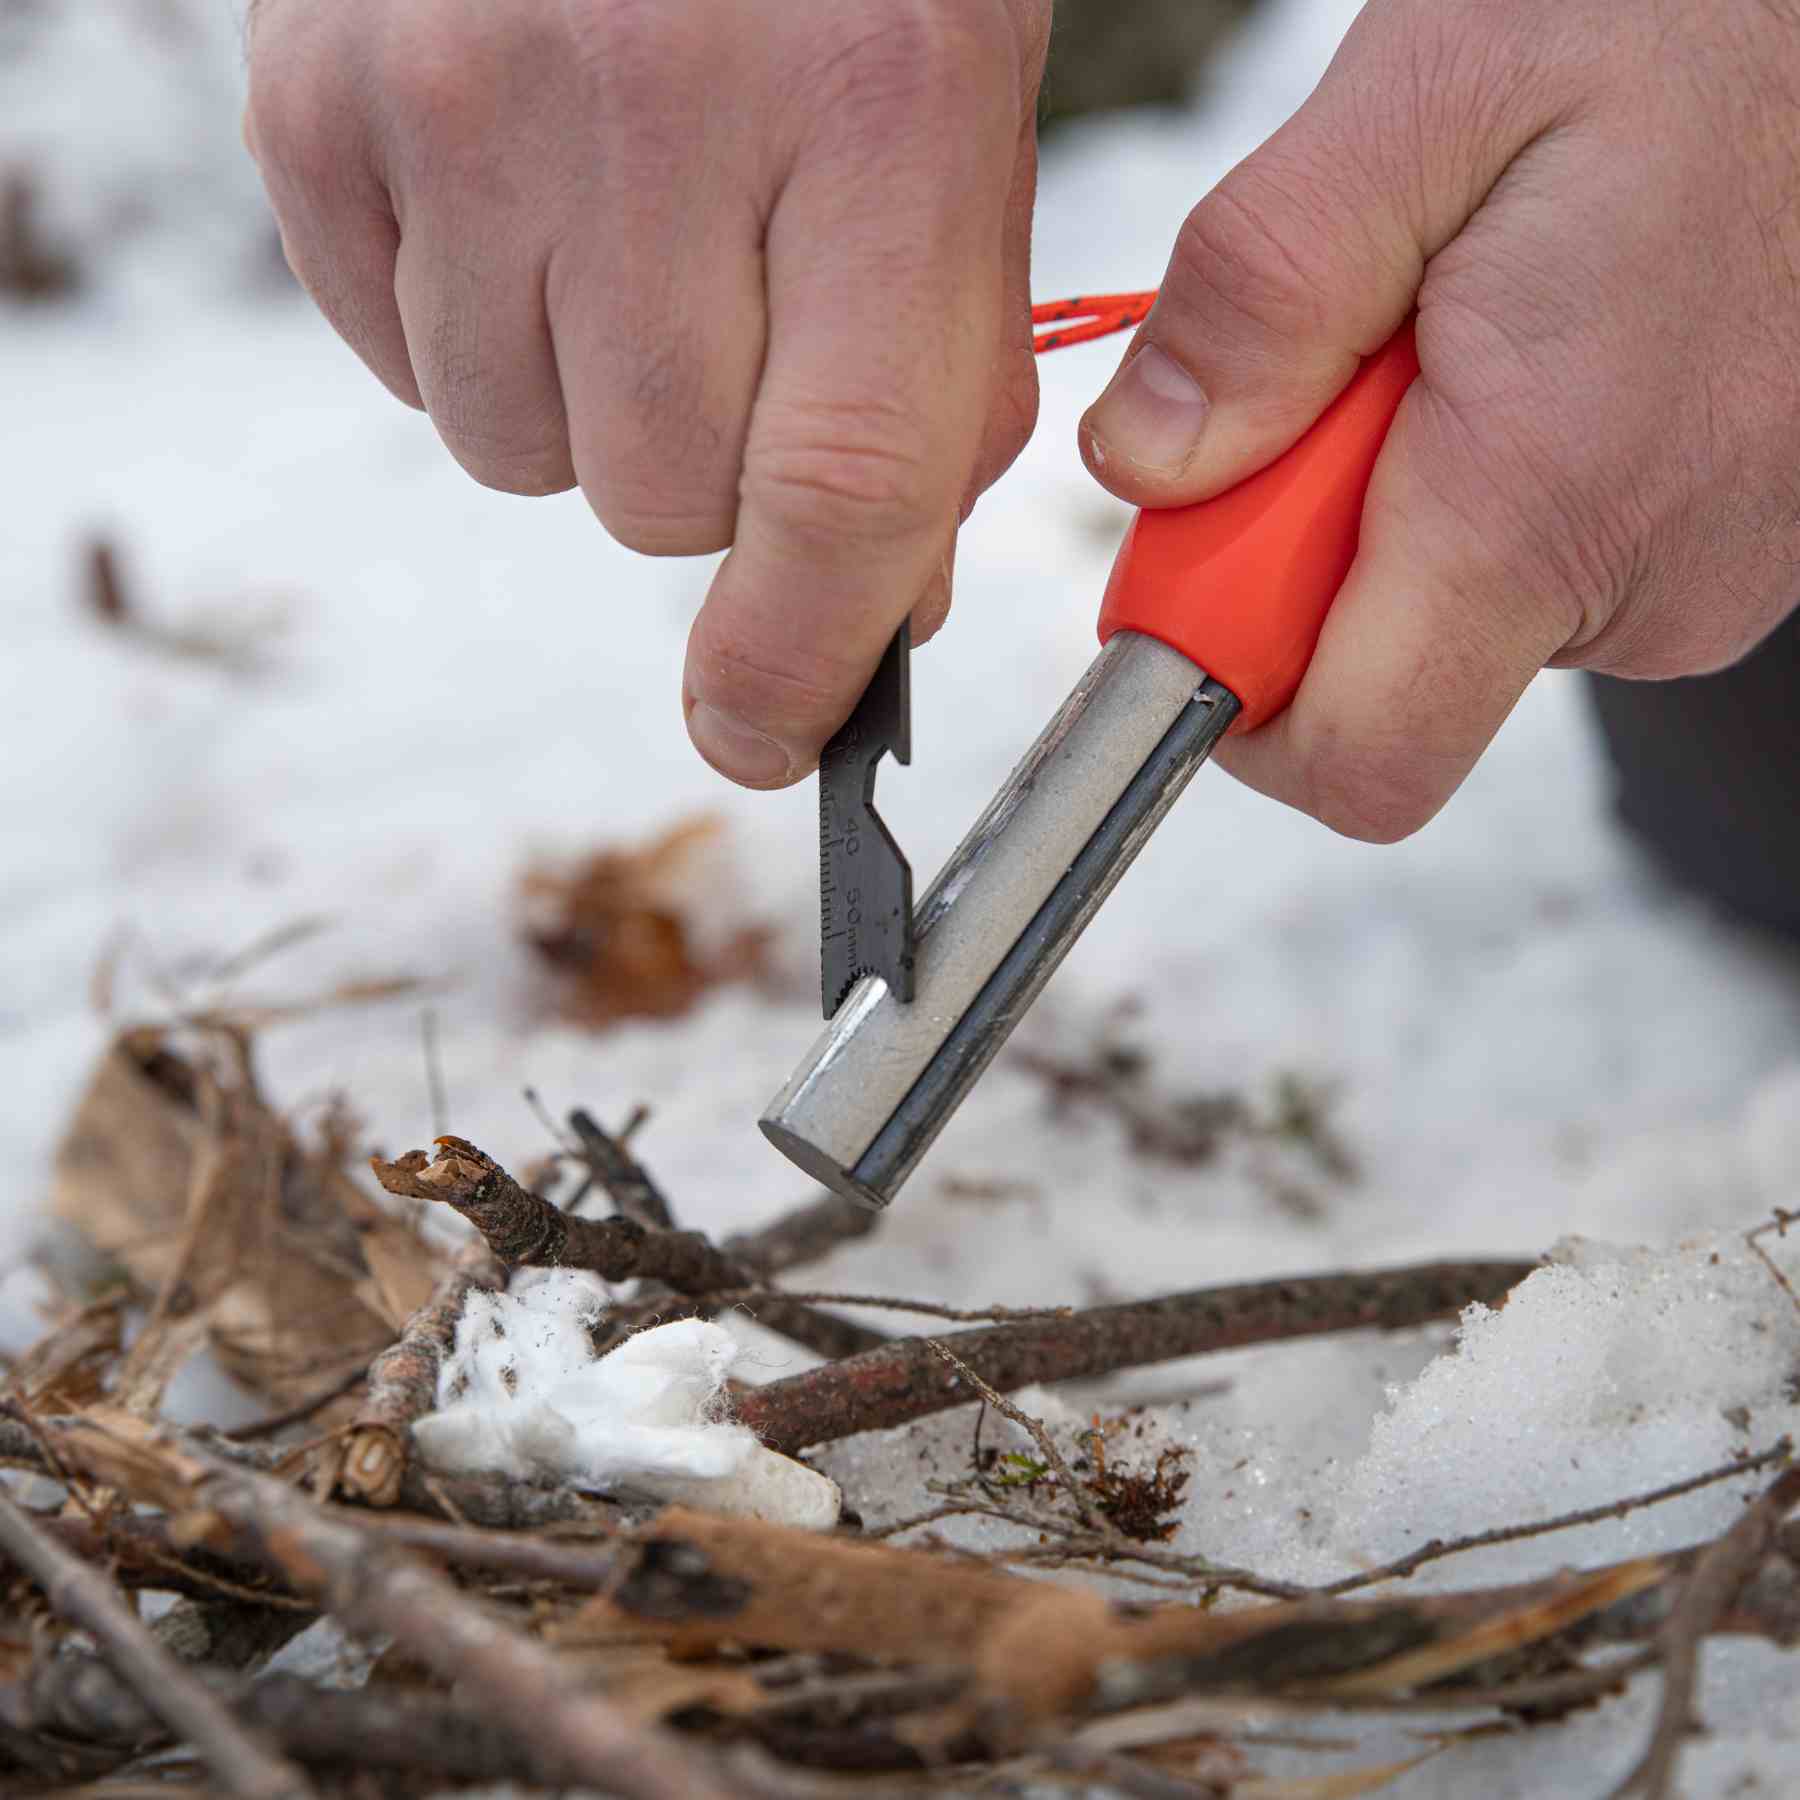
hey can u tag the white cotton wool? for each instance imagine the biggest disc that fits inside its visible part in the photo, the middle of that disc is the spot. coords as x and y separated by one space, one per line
523 1394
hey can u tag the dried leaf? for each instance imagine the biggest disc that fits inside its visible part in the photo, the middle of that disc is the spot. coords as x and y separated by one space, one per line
174 1166
638 932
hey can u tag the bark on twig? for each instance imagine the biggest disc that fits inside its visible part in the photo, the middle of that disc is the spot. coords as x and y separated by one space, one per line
80 1699
82 1595
403 1382
569 1735
808 1234
525 1231
907 1380
624 1179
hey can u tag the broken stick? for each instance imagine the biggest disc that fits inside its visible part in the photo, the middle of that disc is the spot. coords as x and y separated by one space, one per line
907 1379
83 1595
403 1381
526 1232
570 1735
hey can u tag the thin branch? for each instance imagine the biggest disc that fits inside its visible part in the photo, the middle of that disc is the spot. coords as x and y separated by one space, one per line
296 1415
1753 1239
83 1596
525 1231
403 1381
1036 1431
1719 1574
981 1315
626 1181
807 1234
569 1733
1434 1549
907 1380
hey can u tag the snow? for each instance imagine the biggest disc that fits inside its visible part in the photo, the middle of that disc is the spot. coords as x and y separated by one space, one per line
1530 1040
523 1394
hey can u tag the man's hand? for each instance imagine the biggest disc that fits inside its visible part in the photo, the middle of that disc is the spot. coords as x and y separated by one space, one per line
752 272
1596 208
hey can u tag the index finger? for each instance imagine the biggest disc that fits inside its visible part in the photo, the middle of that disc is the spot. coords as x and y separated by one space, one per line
885 306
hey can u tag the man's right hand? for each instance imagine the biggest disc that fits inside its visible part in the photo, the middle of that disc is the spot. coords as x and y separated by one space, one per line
753 272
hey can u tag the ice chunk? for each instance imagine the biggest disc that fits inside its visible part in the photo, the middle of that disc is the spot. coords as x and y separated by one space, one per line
523 1394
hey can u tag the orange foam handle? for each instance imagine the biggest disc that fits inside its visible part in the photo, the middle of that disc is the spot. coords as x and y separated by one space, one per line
1241 584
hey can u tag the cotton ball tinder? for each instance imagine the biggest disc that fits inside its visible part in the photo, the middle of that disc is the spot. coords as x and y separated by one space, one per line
522 1394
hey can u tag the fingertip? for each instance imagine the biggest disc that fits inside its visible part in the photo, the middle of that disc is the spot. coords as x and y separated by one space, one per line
1148 425
739 751
933 609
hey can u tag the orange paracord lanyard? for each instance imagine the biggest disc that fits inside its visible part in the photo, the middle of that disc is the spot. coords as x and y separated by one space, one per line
1089 316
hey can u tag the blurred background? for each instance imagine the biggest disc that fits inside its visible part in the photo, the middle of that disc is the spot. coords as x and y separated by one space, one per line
303 724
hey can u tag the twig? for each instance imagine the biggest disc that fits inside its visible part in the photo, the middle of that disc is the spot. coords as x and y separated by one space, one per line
295 1415
79 1698
906 1380
526 1231
626 1181
1000 1315
1036 1431
807 1234
569 1735
495 1501
1753 1239
1722 1569
1434 1549
403 1381
637 1197
83 1595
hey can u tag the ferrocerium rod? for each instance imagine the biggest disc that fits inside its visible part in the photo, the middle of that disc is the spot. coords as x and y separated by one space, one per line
885 1076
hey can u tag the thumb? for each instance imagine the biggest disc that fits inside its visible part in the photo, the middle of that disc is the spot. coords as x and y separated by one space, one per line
1307 257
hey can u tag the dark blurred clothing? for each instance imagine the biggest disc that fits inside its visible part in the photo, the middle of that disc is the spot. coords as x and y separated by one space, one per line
1707 773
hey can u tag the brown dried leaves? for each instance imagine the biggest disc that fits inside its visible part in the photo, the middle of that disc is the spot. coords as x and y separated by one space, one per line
643 931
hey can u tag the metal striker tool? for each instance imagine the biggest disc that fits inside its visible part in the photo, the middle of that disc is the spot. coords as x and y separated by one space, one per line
1210 618
865 884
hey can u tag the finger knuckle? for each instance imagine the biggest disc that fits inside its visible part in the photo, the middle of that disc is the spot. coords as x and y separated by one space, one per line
1236 254
1011 421
515 469
289 114
924 57
638 52
853 475
796 695
655 525
436 90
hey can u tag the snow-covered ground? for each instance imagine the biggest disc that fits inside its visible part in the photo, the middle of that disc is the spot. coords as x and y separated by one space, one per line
1526 1035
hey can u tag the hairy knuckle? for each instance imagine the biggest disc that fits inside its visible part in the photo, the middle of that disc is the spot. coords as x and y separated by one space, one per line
638 51
916 59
